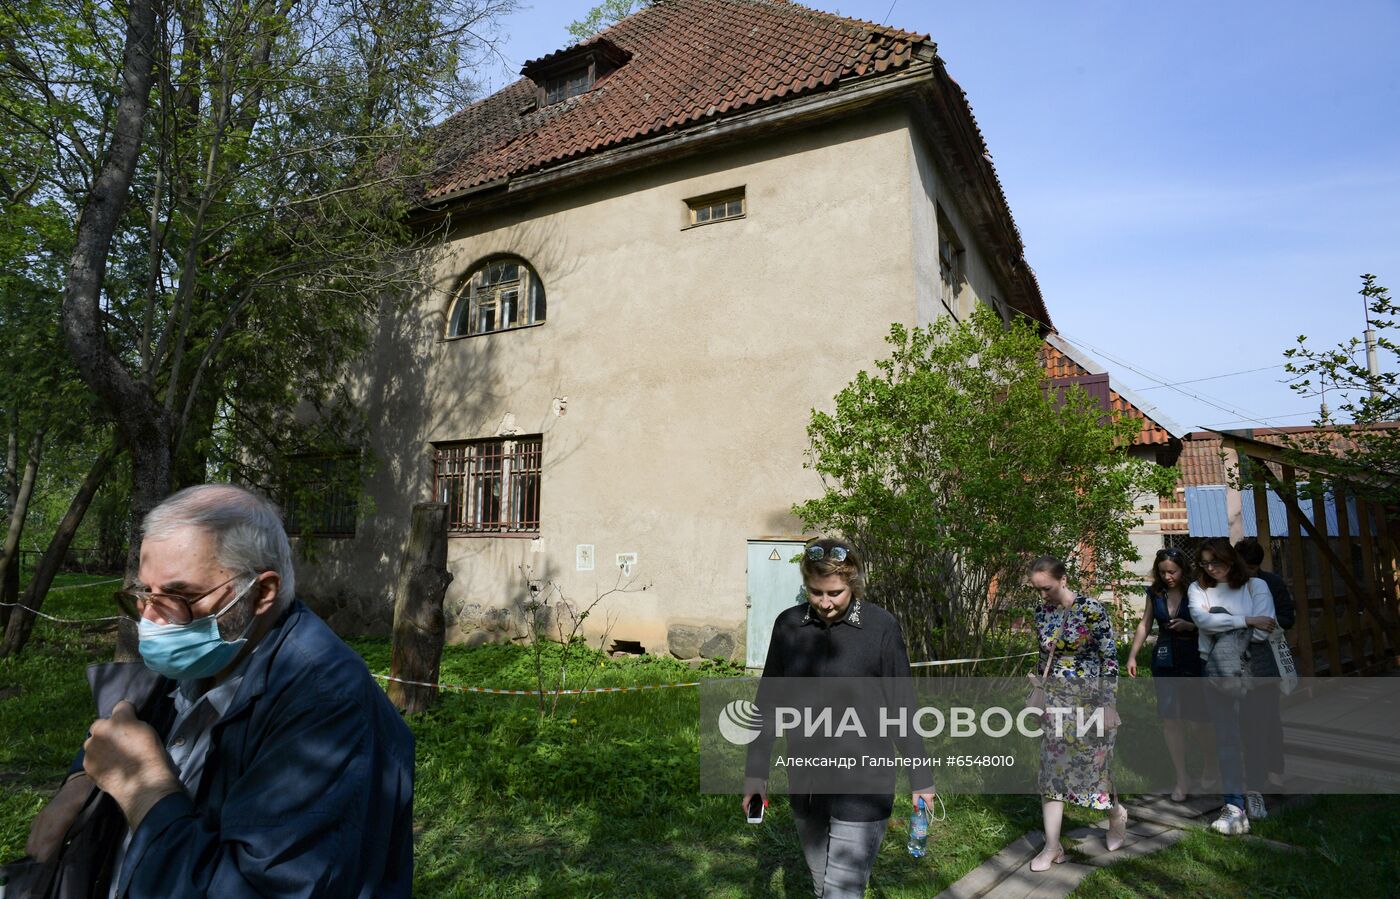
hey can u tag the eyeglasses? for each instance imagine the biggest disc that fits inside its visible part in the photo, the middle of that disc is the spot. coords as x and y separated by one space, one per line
1215 563
834 553
174 608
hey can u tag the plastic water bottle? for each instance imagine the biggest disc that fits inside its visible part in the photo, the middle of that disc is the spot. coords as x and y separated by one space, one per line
918 831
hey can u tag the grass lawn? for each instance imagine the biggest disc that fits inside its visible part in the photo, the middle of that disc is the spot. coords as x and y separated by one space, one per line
602 800
1350 846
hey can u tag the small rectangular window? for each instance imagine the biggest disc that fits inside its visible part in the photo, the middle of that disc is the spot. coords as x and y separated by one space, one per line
490 486
717 207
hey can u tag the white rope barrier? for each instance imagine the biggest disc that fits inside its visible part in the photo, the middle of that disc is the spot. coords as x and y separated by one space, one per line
491 690
462 689
46 615
1019 655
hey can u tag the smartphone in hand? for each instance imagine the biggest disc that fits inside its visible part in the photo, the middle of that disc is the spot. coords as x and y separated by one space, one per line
755 810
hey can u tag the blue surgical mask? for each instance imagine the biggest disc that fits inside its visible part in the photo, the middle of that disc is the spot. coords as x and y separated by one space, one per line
191 651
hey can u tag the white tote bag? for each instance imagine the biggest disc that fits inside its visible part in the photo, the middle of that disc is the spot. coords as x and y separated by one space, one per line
1283 657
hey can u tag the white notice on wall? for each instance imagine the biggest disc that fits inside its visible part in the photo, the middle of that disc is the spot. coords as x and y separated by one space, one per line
583 557
626 561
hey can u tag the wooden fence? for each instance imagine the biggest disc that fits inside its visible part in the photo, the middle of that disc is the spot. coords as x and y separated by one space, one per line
1344 578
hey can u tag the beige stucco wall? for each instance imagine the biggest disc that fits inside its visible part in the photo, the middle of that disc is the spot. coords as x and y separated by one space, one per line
930 191
687 362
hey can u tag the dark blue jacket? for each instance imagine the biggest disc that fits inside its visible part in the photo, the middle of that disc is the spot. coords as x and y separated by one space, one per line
307 790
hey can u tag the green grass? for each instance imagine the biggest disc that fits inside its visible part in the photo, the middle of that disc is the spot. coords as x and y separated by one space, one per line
1350 846
604 799
601 800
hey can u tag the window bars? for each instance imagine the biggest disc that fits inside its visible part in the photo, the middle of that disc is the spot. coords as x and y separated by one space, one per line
490 486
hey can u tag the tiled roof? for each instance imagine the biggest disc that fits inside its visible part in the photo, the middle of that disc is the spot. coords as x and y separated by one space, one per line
1059 365
1201 462
1202 465
691 60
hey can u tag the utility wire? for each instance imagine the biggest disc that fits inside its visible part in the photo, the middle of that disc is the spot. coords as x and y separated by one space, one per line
1165 383
1228 374
1270 418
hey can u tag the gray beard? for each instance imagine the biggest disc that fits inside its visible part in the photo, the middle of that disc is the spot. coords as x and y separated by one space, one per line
235 621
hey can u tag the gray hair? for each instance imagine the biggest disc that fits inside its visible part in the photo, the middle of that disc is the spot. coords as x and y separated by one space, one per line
247 530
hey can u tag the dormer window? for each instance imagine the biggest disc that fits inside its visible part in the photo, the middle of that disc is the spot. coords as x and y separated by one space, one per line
573 71
570 84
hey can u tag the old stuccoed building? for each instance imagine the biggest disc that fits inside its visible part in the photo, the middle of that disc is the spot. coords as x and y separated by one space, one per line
661 249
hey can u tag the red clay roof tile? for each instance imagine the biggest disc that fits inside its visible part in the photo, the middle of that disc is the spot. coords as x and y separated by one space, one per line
1058 365
690 60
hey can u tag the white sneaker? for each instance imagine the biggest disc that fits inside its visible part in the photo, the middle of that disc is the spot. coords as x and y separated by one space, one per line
1232 820
1254 804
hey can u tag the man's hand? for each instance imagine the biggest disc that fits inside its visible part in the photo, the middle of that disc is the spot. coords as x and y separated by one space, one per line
47 830
124 757
929 796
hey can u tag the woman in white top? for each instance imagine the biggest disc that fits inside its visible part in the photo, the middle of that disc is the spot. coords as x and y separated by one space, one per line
1225 598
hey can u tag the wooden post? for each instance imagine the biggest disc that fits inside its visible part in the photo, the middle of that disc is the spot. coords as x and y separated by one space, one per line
1362 623
1300 576
419 629
1318 535
1371 577
1261 525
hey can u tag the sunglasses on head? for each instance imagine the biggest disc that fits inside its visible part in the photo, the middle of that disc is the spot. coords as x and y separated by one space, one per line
1170 554
834 553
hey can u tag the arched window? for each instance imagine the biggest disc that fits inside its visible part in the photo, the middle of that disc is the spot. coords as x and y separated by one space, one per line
499 294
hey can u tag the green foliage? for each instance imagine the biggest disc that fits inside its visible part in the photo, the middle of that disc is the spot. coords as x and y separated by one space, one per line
266 221
604 16
1361 451
952 465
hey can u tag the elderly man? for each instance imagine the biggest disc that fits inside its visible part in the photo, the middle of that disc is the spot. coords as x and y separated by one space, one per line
273 764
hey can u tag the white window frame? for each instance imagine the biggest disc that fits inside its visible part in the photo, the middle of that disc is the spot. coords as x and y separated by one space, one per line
496 298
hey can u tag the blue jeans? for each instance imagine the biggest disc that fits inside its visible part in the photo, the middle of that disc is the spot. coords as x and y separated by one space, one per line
1229 745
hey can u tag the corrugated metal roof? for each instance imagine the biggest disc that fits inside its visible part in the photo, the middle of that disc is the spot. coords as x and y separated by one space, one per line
1207 513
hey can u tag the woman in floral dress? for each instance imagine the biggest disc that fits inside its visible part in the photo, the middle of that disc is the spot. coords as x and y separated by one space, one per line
1076 636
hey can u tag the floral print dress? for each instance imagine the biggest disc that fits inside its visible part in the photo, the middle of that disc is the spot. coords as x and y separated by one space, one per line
1084 675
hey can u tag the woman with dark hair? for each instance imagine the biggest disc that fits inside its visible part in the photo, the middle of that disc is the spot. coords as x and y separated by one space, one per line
1080 652
838 633
1175 658
1235 615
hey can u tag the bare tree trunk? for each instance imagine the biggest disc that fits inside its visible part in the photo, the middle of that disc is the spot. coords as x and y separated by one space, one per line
419 629
22 621
19 511
142 422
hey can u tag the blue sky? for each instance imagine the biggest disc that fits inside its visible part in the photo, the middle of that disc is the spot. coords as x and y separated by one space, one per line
1196 183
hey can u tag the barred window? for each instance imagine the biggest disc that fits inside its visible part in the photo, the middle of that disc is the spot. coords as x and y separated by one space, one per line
490 486
322 496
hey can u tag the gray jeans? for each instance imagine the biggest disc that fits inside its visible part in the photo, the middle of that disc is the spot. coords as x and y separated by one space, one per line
840 853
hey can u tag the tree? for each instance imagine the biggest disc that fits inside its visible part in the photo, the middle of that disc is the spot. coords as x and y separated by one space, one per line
1362 450
238 174
604 16
953 465
44 408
